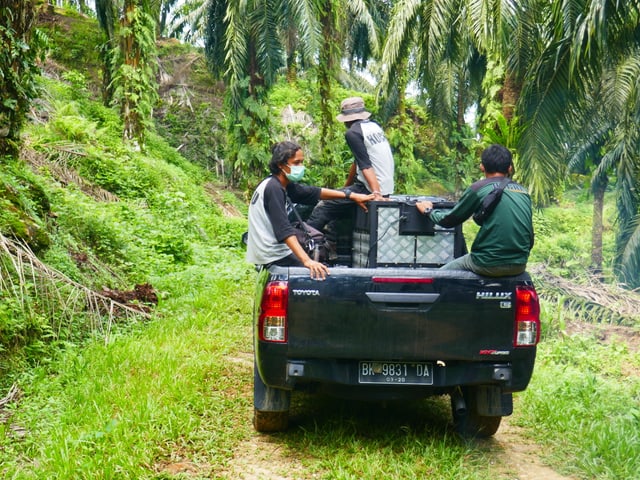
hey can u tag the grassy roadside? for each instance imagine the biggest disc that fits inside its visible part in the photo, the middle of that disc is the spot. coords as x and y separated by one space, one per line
175 395
162 393
177 391
584 398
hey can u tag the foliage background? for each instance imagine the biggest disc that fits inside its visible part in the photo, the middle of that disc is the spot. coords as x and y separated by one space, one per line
130 395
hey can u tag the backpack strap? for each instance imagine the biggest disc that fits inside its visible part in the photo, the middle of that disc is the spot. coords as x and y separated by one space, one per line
490 201
505 181
302 224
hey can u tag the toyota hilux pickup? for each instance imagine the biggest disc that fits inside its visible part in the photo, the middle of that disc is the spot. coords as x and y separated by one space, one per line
388 324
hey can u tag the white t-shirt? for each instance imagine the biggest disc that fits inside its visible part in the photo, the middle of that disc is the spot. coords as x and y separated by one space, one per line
371 149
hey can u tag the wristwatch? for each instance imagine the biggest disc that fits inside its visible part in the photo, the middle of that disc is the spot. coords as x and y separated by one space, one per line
347 194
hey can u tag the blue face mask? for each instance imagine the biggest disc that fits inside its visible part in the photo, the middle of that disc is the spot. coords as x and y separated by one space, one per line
296 174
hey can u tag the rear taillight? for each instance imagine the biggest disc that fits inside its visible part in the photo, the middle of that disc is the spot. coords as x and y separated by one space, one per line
272 323
527 326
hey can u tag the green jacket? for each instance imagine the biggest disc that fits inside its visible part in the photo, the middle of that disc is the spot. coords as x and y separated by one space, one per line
506 237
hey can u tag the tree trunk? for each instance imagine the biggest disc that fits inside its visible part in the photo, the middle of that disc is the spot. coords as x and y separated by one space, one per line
510 94
292 67
326 68
131 59
461 149
599 188
17 70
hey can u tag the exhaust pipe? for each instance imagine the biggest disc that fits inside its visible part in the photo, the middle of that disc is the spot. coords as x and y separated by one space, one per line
458 403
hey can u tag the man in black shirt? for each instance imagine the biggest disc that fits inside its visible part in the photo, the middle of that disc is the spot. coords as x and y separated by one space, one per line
271 238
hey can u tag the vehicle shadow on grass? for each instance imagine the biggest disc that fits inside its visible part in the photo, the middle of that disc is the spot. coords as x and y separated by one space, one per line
338 438
320 413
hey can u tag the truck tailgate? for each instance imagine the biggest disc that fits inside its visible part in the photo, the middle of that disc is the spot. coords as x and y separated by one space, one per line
400 314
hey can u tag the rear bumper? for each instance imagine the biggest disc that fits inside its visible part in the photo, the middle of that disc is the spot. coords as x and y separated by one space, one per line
340 376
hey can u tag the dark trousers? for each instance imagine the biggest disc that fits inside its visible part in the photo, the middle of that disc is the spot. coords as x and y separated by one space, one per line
326 212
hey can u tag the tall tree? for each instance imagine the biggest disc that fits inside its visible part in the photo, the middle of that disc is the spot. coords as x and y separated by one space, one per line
437 37
554 54
19 50
593 47
136 88
335 16
243 47
255 39
107 13
129 61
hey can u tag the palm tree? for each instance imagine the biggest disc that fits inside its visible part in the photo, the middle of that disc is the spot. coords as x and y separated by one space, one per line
334 16
554 53
243 47
436 37
594 49
19 50
256 39
136 89
107 14
128 56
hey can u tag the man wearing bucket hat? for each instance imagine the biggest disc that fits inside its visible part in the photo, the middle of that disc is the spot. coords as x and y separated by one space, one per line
370 173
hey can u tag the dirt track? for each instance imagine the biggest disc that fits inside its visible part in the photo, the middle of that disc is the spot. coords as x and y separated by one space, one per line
513 457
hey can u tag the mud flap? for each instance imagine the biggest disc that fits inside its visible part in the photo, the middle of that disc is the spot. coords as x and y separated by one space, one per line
269 399
491 402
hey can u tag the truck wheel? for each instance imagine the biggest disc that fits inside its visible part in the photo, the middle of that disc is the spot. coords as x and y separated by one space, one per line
468 422
270 406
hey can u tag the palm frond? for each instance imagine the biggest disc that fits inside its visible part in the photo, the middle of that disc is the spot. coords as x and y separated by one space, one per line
400 34
628 261
216 36
362 16
265 38
304 16
236 51
543 106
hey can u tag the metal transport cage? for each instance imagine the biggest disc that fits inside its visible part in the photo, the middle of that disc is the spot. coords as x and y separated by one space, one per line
394 233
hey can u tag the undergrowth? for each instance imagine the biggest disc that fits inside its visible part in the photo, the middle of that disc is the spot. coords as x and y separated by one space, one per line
104 394
583 398
99 215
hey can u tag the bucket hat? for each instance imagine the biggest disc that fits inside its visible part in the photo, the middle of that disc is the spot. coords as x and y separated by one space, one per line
351 109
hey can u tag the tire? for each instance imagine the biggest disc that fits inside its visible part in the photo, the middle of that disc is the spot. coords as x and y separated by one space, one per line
470 423
270 406
267 422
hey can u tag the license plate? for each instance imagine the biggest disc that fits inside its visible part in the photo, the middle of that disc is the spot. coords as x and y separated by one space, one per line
395 373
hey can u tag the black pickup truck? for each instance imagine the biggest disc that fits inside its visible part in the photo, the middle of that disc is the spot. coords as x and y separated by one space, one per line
387 324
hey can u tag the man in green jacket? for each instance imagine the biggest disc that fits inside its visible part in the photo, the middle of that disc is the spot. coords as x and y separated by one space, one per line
505 239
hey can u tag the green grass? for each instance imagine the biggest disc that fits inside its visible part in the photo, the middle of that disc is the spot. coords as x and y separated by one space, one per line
163 391
395 440
179 389
584 399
